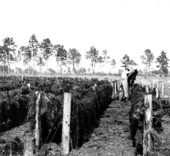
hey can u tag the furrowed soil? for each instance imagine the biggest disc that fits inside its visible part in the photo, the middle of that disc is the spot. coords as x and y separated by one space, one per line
111 138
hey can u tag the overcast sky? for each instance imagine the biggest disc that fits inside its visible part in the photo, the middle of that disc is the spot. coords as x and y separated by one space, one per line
119 26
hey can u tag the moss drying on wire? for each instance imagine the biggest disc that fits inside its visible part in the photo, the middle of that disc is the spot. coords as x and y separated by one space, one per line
136 116
88 103
89 100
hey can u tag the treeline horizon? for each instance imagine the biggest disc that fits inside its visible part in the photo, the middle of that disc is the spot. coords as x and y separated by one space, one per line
38 53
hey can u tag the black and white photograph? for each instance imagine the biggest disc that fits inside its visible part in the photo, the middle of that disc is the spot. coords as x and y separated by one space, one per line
85 78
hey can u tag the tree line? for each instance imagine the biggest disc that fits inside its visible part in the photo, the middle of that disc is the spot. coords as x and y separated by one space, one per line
148 59
161 62
38 53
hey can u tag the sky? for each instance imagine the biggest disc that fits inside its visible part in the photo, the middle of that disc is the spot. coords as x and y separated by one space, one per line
118 26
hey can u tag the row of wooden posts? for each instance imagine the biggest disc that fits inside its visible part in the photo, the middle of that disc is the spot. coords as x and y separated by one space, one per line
148 115
29 143
160 87
29 149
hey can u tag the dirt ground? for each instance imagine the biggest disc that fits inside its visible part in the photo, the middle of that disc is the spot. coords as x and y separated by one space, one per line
111 138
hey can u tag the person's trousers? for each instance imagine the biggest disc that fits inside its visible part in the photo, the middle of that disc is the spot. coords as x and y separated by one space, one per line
125 88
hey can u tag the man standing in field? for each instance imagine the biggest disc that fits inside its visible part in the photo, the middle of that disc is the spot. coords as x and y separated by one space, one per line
124 83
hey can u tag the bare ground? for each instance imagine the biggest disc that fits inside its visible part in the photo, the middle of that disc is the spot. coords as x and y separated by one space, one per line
111 138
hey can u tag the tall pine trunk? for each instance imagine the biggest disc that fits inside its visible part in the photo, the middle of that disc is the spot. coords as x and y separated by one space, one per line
6 64
60 66
22 68
29 68
57 66
74 67
9 71
4 69
32 61
92 68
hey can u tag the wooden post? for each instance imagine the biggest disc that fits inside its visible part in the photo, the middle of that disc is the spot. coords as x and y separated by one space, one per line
118 84
37 121
162 89
29 147
22 72
152 86
112 84
157 85
29 86
115 87
66 124
147 124
147 89
157 92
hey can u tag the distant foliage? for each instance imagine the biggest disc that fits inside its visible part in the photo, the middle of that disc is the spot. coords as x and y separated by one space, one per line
46 47
147 59
106 58
33 49
51 71
126 61
100 60
113 63
105 55
2 55
30 70
155 72
93 55
74 56
33 45
61 55
37 54
82 71
7 52
163 62
24 53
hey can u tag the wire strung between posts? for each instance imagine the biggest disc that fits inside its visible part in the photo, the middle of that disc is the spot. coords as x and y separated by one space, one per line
51 129
52 137
29 114
71 142
55 132
50 133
